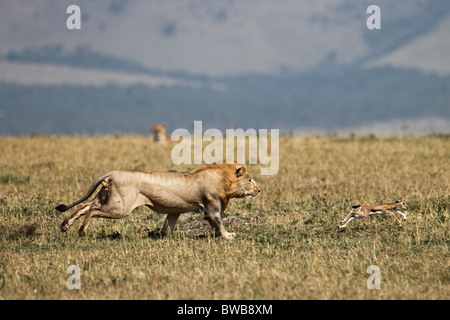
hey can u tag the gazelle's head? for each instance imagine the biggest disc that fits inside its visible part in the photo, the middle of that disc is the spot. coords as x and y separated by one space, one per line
403 204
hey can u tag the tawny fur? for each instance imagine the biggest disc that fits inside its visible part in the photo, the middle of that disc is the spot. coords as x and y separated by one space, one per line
160 134
205 190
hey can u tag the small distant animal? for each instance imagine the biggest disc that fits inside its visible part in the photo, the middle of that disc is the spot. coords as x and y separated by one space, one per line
362 211
160 134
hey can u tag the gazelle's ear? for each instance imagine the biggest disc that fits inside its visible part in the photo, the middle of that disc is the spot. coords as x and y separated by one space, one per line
397 199
241 171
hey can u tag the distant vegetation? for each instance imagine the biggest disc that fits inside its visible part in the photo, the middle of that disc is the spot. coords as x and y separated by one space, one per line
329 97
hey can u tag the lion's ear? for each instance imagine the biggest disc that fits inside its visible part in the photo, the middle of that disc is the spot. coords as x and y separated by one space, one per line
164 125
241 171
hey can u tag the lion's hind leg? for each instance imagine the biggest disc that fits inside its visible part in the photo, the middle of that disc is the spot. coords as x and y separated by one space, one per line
95 213
82 209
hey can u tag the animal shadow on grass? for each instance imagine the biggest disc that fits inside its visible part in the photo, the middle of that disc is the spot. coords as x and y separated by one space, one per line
156 234
353 229
20 231
116 235
199 229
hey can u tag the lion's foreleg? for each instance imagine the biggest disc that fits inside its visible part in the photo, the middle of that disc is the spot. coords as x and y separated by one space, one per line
215 220
169 224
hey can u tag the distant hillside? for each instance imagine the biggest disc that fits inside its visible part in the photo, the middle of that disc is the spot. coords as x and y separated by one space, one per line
84 58
218 38
331 98
298 65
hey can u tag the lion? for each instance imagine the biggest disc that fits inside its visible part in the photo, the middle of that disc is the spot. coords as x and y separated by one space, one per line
207 189
160 135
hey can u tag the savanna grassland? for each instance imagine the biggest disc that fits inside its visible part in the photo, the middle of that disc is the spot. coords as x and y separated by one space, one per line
288 245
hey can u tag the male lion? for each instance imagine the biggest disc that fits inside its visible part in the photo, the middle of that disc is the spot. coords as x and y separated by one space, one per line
206 189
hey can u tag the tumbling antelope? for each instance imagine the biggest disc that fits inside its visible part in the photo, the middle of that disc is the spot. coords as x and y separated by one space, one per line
364 211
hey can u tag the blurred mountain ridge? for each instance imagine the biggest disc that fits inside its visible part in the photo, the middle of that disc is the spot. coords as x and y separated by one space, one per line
300 66
220 38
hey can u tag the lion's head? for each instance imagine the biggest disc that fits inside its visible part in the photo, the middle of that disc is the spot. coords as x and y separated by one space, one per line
242 183
229 180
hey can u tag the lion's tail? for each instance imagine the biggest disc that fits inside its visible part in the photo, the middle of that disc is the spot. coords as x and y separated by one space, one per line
97 182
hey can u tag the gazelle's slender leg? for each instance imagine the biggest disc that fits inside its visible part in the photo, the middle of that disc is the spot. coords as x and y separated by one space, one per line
351 218
403 215
348 216
393 215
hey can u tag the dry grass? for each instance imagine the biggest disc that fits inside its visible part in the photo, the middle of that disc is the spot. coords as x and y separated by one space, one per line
288 247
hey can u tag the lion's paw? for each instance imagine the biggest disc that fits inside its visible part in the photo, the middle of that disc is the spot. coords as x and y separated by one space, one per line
229 236
64 226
